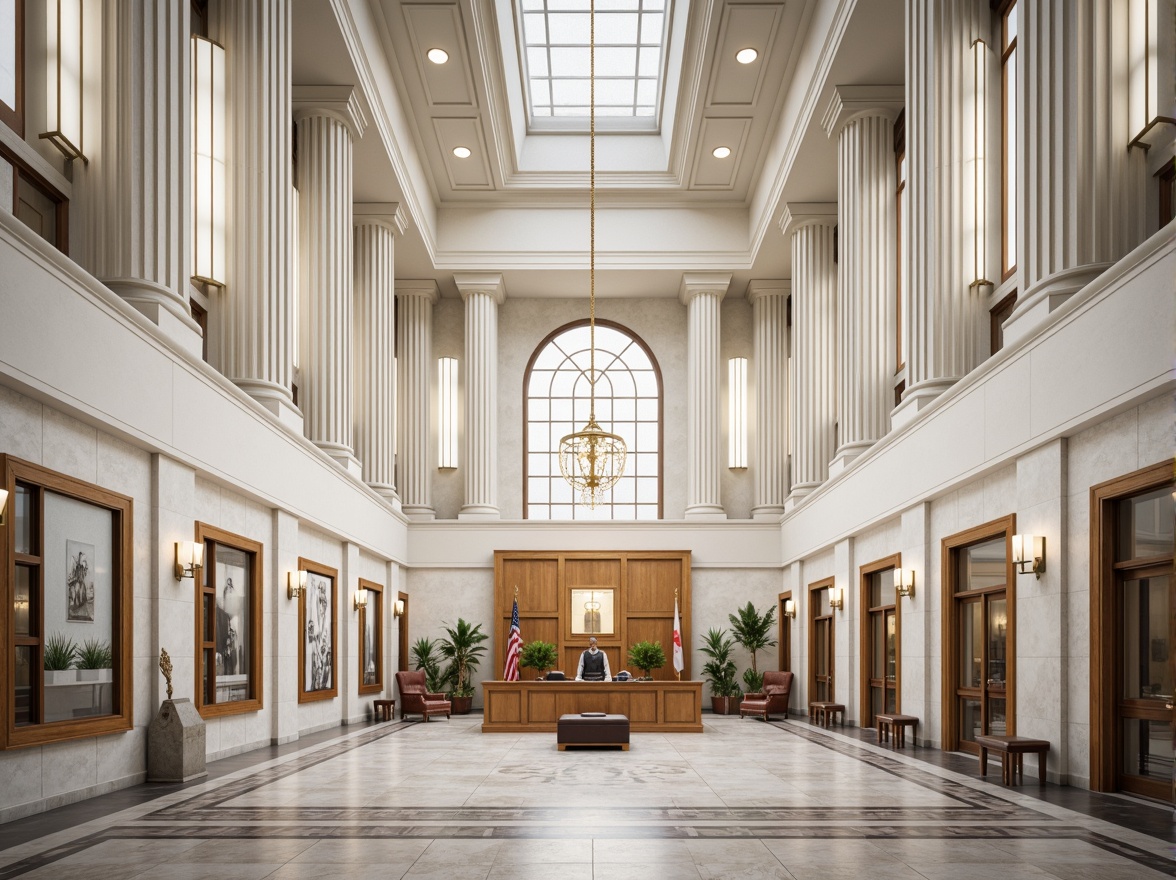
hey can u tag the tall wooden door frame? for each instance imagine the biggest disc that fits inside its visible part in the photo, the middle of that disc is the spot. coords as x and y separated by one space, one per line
404 648
865 657
825 584
1104 667
949 629
784 655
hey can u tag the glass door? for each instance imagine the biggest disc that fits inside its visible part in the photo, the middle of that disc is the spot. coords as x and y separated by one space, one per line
981 606
882 647
821 646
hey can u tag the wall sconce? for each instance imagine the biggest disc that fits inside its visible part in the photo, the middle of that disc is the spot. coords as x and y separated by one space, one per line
904 582
790 609
979 171
3 504
209 149
1151 102
398 608
1029 554
447 412
63 76
836 598
295 583
361 596
737 413
189 559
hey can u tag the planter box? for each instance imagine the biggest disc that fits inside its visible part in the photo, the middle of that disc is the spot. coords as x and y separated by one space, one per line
726 705
89 675
461 705
61 676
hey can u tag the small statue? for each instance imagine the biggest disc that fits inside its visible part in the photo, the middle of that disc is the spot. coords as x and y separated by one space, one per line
165 667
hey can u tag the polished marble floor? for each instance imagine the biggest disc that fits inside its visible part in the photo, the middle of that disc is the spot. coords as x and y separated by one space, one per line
743 800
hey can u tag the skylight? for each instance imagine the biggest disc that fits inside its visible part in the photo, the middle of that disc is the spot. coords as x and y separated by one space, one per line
630 41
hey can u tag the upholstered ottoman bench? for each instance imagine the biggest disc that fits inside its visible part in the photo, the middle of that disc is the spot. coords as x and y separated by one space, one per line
592 729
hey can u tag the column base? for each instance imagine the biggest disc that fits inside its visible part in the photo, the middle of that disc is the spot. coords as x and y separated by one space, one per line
163 308
418 512
343 457
388 493
767 512
481 512
846 454
798 494
276 400
918 398
705 512
1041 300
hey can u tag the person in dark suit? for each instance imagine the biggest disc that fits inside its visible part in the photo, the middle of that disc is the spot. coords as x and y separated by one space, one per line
593 664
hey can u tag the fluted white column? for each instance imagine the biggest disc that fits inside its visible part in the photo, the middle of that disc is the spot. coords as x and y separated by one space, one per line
254 318
769 316
702 294
940 323
861 118
414 381
376 228
138 186
482 294
814 343
329 120
1081 192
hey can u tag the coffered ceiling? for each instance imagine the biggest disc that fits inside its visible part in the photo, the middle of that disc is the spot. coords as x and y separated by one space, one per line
665 204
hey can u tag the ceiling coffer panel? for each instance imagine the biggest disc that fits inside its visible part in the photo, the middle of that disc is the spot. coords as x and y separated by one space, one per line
472 172
743 27
439 26
712 173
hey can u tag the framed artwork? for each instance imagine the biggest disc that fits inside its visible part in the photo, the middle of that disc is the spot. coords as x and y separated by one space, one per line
317 610
592 611
79 581
371 639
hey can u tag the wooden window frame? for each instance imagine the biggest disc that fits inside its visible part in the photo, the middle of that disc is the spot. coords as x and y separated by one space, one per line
38 181
1007 54
825 584
997 315
1104 666
121 719
402 657
305 696
13 117
949 629
375 604
784 655
865 572
207 535
1164 179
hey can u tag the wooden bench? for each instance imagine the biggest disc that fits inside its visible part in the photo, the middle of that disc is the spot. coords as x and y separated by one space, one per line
385 709
824 712
592 729
1012 751
893 727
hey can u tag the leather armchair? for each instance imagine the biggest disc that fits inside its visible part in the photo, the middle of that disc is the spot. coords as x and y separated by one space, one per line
416 700
777 692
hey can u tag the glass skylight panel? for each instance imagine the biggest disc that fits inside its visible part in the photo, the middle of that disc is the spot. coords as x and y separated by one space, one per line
629 46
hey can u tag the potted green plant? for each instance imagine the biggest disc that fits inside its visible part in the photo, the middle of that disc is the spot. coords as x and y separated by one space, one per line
647 656
538 655
463 648
753 631
424 655
720 671
58 658
92 659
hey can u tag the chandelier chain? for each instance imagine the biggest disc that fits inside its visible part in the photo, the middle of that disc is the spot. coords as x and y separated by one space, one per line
592 208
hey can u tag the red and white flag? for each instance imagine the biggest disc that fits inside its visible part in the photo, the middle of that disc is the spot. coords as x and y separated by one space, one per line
679 661
514 645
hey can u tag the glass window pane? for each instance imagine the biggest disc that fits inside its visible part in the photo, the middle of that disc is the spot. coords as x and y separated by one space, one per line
23 520
231 581
1147 748
24 685
971 645
891 648
1146 526
878 646
998 625
982 565
875 589
22 596
997 722
970 721
1147 669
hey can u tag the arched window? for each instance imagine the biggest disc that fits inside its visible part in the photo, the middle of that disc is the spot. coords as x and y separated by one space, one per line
628 403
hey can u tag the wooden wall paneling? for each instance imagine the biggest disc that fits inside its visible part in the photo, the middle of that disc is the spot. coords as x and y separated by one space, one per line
538 583
654 629
652 583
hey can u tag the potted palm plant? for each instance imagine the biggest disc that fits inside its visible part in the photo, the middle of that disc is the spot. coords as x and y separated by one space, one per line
424 655
93 659
538 655
753 631
720 671
58 659
647 656
463 648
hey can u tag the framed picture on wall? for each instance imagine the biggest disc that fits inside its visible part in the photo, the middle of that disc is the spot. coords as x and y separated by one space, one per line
592 611
371 639
317 652
79 581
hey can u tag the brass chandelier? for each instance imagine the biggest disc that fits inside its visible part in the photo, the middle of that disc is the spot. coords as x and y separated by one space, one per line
591 459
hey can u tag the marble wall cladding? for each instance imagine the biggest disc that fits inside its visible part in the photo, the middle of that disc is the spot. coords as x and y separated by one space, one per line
449 341
439 596
737 486
1157 430
716 594
21 425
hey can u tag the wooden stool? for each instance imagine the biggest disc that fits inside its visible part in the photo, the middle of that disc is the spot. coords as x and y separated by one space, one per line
1012 750
385 709
825 712
893 727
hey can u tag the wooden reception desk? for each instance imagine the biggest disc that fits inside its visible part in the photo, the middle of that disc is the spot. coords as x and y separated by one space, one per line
534 706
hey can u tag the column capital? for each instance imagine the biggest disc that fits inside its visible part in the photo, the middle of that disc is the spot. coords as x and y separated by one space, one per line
695 283
799 214
389 215
341 103
853 102
489 283
426 289
760 289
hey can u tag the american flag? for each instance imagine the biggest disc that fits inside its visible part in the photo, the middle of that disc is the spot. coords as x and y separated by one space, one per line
514 645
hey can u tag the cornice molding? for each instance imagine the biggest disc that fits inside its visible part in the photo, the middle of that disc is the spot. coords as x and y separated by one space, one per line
848 103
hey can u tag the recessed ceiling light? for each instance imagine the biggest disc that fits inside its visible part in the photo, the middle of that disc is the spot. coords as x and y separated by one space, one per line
721 152
746 56
437 56
461 152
